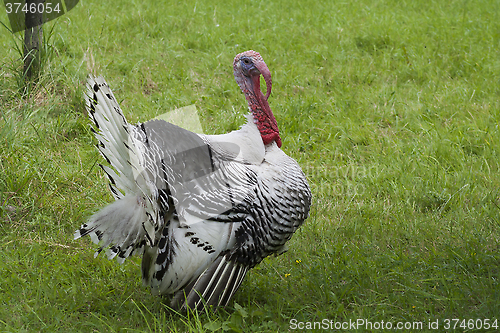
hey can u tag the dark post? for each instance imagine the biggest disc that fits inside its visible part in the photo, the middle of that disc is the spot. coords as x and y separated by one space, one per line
33 38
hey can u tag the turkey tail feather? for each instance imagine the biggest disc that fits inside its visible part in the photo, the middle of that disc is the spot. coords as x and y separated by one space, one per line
124 226
121 225
112 132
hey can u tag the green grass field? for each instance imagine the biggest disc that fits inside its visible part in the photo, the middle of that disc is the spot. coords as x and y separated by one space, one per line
392 108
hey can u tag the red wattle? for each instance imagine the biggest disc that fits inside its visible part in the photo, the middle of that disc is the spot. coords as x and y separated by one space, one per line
266 123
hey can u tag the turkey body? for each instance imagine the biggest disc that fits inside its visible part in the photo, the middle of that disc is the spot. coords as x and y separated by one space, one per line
201 209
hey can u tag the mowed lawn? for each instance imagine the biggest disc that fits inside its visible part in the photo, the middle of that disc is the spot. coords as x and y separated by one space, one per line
391 108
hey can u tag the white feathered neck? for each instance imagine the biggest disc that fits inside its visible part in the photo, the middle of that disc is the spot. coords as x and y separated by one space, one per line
247 139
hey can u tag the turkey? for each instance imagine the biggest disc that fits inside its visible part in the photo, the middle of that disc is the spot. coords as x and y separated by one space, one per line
201 209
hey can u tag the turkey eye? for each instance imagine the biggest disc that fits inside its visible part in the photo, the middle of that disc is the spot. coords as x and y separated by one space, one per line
246 61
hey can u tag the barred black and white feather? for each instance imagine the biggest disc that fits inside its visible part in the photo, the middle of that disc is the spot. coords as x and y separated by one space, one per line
202 210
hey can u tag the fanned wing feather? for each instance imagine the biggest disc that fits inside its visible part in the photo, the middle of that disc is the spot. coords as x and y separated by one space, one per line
214 287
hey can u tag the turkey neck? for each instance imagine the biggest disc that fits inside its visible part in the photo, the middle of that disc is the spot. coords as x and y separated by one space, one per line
262 114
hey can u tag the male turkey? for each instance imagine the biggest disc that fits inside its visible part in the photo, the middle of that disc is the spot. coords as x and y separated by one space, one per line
201 209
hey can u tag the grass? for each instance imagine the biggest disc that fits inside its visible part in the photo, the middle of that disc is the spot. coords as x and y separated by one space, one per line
391 108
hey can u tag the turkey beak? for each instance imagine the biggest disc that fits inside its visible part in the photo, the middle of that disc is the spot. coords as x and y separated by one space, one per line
262 67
